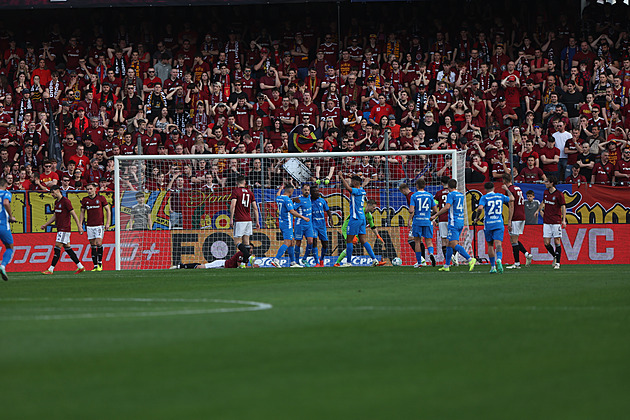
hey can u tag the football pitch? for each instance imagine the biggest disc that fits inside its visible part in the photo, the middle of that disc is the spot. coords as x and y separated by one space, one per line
347 343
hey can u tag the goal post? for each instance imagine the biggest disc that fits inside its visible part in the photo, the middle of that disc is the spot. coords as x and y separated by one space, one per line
186 199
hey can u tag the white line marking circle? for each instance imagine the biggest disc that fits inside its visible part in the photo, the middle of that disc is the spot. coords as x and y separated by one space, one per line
250 306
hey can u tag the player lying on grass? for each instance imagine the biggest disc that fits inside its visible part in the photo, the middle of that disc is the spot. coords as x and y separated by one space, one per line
236 261
454 205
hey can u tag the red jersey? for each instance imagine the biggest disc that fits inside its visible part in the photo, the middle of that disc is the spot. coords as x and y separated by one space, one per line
235 260
244 200
519 203
550 153
63 220
94 209
441 198
623 166
575 179
553 204
530 176
603 173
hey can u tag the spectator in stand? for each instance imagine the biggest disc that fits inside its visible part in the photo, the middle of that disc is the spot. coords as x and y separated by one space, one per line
531 173
622 169
603 171
549 157
575 177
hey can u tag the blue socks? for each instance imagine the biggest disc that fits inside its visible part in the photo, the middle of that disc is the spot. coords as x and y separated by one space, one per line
297 251
6 257
499 256
431 250
315 253
291 250
349 249
419 257
281 251
493 262
449 255
368 247
309 250
462 251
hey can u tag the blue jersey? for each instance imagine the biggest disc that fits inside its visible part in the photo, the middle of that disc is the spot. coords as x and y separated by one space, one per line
493 207
456 210
356 204
284 206
4 215
303 207
320 207
423 202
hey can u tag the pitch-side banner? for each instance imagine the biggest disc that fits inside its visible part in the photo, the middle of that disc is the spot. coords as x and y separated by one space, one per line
202 210
581 244
77 4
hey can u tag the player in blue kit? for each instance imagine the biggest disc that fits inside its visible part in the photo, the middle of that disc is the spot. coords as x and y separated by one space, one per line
492 204
319 211
303 206
357 222
285 222
421 205
454 205
5 228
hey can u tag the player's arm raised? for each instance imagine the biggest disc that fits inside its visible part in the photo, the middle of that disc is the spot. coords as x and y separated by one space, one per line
345 183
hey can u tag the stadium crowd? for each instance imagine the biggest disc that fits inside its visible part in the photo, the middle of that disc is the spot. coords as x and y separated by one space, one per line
560 86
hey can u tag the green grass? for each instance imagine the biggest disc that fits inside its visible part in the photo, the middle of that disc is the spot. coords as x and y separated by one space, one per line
359 343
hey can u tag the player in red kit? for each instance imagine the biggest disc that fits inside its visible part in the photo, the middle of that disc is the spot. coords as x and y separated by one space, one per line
241 205
61 218
235 261
516 222
98 221
440 196
554 211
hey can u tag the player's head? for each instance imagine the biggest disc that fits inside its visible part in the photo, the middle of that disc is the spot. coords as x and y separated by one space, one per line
55 190
421 183
315 192
241 180
444 180
530 195
3 184
551 181
370 205
452 184
92 188
140 197
507 179
306 190
489 187
356 181
403 188
288 190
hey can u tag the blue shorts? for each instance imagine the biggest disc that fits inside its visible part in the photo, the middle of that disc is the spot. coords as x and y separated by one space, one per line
6 237
422 231
304 229
356 227
494 234
287 233
320 232
454 232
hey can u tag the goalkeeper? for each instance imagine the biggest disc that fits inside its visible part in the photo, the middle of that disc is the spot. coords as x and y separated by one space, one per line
236 261
368 210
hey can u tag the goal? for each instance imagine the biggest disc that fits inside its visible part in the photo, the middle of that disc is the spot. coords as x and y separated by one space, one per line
176 209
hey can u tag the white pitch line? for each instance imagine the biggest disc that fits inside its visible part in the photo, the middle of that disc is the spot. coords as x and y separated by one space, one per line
251 306
468 308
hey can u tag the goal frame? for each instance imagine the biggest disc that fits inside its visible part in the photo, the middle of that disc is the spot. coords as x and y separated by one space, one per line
307 155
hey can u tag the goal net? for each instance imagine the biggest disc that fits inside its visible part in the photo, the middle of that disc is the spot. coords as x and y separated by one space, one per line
176 209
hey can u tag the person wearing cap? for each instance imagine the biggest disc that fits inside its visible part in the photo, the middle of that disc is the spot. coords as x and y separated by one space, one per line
504 114
81 123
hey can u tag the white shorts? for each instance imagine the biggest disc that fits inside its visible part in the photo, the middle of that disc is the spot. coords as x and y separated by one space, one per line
552 231
518 227
242 229
443 226
63 238
95 232
216 263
